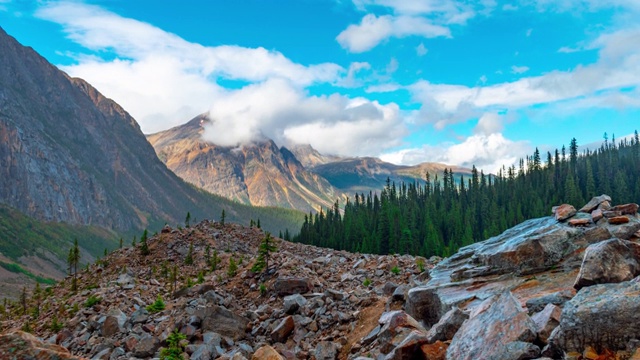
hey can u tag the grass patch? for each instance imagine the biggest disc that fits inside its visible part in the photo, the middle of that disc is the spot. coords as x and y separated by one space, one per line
17 269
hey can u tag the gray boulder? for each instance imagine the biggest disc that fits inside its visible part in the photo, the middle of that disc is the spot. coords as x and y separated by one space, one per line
609 261
604 316
222 321
498 329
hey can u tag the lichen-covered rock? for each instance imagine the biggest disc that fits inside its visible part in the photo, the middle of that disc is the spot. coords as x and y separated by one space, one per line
609 261
604 316
594 203
498 329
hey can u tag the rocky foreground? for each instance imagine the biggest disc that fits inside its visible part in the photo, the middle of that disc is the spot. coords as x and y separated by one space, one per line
557 287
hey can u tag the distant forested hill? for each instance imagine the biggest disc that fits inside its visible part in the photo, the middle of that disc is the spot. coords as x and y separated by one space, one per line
439 216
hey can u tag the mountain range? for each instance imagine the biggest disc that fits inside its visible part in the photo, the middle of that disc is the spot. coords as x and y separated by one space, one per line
263 174
259 174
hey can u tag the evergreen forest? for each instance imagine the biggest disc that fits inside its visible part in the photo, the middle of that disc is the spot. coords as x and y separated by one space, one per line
440 215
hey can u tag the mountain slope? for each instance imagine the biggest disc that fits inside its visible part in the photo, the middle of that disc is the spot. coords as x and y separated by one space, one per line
69 154
260 174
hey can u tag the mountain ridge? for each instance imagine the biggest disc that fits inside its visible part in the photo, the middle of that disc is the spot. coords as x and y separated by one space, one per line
259 173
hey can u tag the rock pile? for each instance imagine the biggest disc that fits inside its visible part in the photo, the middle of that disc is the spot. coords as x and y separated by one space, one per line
552 287
312 303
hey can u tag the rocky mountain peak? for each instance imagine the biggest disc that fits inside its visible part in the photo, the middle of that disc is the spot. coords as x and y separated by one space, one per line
259 173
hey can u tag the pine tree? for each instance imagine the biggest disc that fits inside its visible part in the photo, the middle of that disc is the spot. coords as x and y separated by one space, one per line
120 243
233 267
222 217
174 278
215 260
265 249
187 219
144 248
37 297
189 259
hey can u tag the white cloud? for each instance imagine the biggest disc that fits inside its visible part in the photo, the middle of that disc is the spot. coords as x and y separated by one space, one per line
509 7
373 29
278 110
618 66
487 152
163 79
392 66
568 50
489 123
421 50
519 69
425 18
529 32
383 88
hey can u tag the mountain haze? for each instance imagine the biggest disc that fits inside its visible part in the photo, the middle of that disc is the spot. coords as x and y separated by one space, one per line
259 174
370 174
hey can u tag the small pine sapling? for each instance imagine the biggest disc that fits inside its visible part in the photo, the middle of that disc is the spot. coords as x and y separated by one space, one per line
233 267
144 248
265 249
189 259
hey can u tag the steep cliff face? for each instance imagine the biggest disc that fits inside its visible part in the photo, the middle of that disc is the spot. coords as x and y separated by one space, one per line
69 154
258 174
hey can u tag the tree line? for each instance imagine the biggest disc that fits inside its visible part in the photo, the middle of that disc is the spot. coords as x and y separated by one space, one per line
439 215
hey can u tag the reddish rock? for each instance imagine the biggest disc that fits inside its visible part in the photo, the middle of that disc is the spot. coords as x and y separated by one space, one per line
564 211
547 320
609 213
223 321
435 351
580 222
292 285
594 203
266 353
63 335
626 209
110 327
130 343
283 330
448 325
617 220
146 347
409 347
596 215
22 345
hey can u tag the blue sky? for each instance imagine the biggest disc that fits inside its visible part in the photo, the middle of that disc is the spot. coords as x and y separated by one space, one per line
461 82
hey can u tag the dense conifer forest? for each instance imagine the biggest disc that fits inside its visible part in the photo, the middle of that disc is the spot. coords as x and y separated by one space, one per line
440 215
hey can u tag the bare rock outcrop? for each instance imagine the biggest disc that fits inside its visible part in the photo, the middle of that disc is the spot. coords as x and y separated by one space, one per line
609 261
605 316
499 328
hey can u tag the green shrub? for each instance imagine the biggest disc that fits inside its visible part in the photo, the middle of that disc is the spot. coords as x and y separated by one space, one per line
420 264
175 348
157 305
233 267
395 270
263 289
55 326
92 300
366 282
